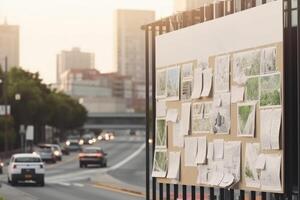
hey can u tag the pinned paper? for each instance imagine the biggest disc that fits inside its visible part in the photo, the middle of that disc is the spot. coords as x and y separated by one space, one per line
270 177
218 149
197 86
210 151
161 109
174 165
201 153
207 82
190 151
260 162
185 118
172 115
178 138
216 178
227 180
237 94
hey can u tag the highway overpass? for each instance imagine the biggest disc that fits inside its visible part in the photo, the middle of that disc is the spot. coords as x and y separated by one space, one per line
116 121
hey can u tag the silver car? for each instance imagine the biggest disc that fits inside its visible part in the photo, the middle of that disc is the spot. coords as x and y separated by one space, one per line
46 154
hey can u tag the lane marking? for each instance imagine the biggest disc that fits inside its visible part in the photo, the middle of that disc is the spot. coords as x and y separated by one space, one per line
129 158
119 190
78 184
64 184
92 171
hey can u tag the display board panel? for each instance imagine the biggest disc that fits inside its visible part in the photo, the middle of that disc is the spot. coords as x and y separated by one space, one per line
238 64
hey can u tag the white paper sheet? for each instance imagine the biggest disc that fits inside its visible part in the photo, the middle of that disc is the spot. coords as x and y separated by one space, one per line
201 152
227 180
237 94
275 130
270 128
178 138
260 162
218 149
185 118
172 115
174 165
190 151
270 177
221 74
207 82
216 178
161 109
210 151
220 115
232 159
197 85
250 171
202 177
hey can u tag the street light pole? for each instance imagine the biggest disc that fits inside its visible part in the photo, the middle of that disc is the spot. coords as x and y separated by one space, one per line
5 106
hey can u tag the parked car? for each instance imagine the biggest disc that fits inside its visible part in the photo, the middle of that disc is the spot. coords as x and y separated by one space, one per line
46 153
26 167
92 155
1 167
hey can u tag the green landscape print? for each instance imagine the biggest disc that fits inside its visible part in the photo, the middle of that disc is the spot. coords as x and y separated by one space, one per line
160 161
270 90
251 89
161 83
161 136
173 82
246 119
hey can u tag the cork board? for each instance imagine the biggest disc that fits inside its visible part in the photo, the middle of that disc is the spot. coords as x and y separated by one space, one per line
188 175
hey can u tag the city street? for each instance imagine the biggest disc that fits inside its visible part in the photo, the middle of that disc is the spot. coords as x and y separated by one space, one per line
124 177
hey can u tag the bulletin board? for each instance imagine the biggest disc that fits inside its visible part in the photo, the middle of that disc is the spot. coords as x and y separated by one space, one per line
258 29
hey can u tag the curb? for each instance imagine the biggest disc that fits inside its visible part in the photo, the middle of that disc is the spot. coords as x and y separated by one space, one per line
119 189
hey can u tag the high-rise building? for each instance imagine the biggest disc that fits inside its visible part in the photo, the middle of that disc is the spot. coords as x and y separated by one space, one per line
74 59
130 42
9 44
183 5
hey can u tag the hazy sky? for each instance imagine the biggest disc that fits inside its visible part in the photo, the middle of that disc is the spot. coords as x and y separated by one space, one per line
49 26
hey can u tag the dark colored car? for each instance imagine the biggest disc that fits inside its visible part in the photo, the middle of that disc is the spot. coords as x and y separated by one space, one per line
92 156
73 145
64 149
1 167
88 139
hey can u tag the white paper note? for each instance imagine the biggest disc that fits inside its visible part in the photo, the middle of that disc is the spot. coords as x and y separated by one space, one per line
210 151
174 165
250 171
260 162
201 152
232 159
221 74
237 94
227 180
218 149
161 108
275 130
207 82
216 178
197 87
178 138
270 177
190 151
202 177
185 118
172 115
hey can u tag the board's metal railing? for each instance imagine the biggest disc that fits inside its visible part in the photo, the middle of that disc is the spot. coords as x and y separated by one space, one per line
291 95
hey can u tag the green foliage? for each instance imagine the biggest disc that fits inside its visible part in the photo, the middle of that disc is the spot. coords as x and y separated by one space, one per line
252 89
244 112
39 105
248 172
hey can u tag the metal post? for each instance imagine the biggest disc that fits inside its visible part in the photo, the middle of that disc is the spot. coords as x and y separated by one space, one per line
298 87
147 115
153 34
5 107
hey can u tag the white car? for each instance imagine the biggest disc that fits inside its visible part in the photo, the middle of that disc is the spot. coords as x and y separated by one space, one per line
26 167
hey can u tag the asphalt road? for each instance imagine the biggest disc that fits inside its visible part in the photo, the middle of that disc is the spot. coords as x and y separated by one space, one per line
66 181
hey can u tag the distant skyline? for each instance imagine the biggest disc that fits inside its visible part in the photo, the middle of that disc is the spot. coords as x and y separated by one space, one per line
49 26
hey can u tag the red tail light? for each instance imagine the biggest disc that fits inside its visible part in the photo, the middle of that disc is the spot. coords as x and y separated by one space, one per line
81 155
99 155
15 166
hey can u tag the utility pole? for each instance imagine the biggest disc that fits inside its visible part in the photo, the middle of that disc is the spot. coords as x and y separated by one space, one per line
5 107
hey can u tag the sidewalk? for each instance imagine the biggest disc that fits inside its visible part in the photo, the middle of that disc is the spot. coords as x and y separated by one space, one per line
11 193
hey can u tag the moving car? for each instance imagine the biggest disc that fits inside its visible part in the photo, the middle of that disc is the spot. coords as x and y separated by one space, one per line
46 153
92 156
26 167
73 145
106 136
88 139
64 149
1 167
57 151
